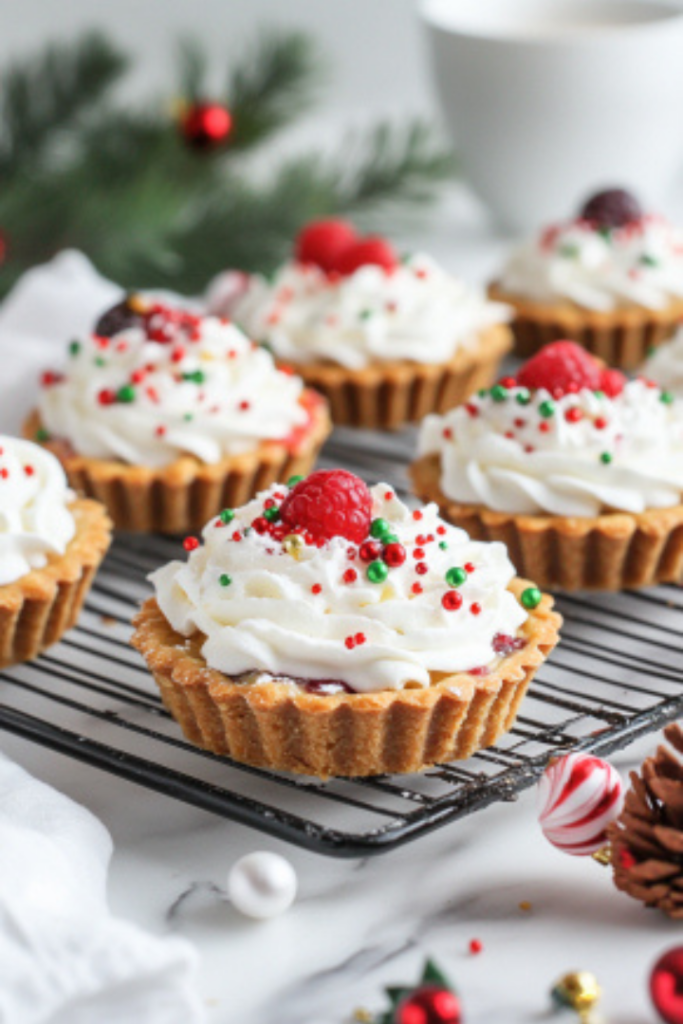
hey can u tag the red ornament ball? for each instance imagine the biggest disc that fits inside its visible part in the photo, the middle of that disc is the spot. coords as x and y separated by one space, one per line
322 242
666 986
329 503
561 367
429 1004
206 125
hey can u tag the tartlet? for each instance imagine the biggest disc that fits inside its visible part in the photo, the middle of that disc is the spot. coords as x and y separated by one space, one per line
319 644
51 545
664 365
611 279
167 417
386 341
576 470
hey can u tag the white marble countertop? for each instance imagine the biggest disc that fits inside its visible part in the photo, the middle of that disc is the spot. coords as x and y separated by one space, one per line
359 925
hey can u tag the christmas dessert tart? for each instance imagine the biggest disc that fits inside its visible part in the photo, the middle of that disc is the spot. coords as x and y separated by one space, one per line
167 417
576 469
51 545
664 365
611 279
326 629
385 340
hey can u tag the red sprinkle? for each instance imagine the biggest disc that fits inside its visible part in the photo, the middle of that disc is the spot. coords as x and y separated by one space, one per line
370 550
441 530
416 588
137 376
106 396
447 433
237 535
573 415
418 552
4 473
472 410
360 638
451 600
350 576
350 642
544 427
519 423
389 495
417 514
160 430
600 423
29 470
261 524
178 354
421 568
190 543
475 608
394 555
244 405
469 567
316 588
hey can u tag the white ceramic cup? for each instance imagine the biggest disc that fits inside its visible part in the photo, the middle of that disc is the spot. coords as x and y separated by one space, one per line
549 100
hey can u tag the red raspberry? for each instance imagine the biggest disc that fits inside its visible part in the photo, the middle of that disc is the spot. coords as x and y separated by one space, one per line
372 249
612 382
560 367
323 241
329 503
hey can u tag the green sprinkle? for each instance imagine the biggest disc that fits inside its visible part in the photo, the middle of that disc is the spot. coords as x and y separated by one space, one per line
100 361
569 251
294 480
531 598
666 397
499 393
126 393
42 434
606 458
443 545
482 392
546 409
74 348
378 571
225 580
195 376
605 233
455 577
247 530
379 528
271 514
599 394
188 417
649 261
227 515
365 314
523 397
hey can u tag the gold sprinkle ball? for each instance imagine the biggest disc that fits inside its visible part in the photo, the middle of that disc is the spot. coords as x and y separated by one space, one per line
293 544
577 990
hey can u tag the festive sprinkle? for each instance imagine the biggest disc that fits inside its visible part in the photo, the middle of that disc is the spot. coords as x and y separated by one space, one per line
350 576
606 458
531 598
649 261
416 588
544 427
126 394
190 543
599 394
365 314
525 905
377 572
394 554
272 514
441 530
546 409
471 409
227 515
455 577
74 348
451 600
418 552
244 406
499 393
106 396
225 580
417 515
421 568
316 588
475 608
379 528
469 567
600 423
388 495
476 946
508 382
195 376
160 431
443 545
573 415
666 397
369 551
523 397
42 434
260 524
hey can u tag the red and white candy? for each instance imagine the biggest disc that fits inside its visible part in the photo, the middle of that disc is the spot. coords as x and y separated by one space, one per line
578 797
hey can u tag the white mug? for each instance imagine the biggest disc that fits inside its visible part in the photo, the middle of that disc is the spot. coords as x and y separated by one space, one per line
550 100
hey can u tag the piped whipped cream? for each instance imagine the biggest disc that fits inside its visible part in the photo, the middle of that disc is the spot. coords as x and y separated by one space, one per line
315 614
35 520
664 365
416 312
517 451
597 268
179 385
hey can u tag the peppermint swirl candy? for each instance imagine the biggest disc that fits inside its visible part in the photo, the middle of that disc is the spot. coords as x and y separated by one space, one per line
600 269
417 312
177 385
519 452
578 797
35 521
335 614
665 365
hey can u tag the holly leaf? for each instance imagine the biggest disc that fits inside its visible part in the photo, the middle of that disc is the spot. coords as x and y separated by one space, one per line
398 992
432 975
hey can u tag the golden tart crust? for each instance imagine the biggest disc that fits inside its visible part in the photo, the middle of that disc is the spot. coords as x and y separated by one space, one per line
622 337
612 551
278 725
37 609
388 395
184 495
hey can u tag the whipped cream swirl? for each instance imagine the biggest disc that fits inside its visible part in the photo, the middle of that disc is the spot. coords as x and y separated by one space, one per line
664 366
578 455
599 269
317 616
35 521
201 389
416 312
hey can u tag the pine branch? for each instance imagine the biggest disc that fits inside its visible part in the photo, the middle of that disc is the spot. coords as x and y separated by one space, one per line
192 62
44 97
273 84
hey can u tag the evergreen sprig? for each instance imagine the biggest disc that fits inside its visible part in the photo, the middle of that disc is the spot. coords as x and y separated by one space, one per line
123 185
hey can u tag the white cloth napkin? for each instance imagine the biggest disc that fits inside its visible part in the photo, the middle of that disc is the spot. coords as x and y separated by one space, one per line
63 958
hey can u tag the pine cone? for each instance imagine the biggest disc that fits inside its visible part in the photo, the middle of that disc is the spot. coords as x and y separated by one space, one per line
647 838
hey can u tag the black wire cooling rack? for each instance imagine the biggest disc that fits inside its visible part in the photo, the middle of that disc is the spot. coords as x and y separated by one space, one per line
617 673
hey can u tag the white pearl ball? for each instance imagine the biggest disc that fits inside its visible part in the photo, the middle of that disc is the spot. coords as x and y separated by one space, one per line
262 884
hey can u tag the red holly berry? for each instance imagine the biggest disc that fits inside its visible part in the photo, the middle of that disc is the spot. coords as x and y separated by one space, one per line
323 241
371 250
612 382
206 125
558 366
429 1004
329 503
